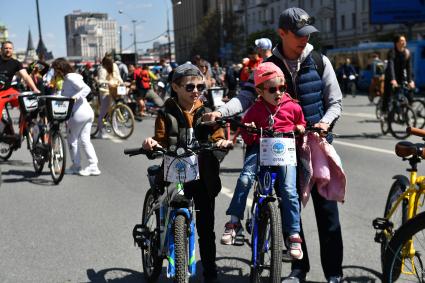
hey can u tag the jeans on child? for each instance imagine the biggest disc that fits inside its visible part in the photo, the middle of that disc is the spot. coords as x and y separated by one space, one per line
245 181
289 201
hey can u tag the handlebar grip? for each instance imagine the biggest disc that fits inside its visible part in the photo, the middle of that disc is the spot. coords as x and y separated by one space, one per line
134 151
416 132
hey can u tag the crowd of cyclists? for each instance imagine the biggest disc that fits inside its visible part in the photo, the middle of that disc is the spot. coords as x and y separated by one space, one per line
286 88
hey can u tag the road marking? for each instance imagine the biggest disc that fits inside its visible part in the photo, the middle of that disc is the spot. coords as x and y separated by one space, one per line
364 147
361 115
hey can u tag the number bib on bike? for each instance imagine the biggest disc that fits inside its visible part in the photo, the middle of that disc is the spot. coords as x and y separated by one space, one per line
277 152
184 169
121 90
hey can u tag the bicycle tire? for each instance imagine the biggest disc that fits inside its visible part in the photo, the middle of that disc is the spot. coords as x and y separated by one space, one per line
378 108
385 127
122 121
407 118
181 252
269 233
400 215
38 158
6 149
419 107
152 263
57 160
414 229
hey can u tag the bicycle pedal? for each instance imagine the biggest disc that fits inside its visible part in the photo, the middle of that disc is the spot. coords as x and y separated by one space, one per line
239 240
286 257
140 234
379 237
382 224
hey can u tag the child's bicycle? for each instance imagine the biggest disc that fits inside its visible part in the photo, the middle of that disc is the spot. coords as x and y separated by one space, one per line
167 229
401 232
48 141
119 118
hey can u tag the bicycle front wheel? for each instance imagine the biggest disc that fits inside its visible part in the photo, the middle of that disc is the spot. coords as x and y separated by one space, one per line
399 120
181 249
268 265
398 217
403 257
57 157
122 121
419 107
152 262
6 149
38 150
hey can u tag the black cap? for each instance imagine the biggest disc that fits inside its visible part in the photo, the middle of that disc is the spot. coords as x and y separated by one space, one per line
297 21
186 70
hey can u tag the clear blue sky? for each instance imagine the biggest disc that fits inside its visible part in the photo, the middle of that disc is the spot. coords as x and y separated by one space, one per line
21 15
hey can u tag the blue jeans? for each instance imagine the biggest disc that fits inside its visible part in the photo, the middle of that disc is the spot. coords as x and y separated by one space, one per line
245 181
289 201
287 191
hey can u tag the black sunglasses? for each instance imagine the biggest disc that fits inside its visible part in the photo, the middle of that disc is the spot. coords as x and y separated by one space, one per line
304 21
274 89
191 87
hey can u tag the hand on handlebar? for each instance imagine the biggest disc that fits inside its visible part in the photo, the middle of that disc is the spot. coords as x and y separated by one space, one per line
322 125
150 144
211 116
224 144
299 129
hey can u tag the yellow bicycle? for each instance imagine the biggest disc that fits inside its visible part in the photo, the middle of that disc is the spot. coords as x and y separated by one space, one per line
401 232
119 118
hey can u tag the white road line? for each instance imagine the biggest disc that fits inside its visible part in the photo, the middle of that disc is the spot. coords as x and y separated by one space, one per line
364 147
361 115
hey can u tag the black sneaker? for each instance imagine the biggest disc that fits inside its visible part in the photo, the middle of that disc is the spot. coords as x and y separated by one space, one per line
296 276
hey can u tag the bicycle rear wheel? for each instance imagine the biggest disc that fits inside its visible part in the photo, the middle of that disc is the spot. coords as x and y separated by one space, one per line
6 149
152 263
397 219
38 149
419 107
269 246
404 255
122 121
181 249
57 161
399 120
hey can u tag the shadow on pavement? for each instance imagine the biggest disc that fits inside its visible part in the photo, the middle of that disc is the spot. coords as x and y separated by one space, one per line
26 176
115 275
365 136
230 170
353 273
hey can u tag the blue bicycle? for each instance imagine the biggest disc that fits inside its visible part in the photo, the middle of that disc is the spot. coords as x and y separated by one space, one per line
167 229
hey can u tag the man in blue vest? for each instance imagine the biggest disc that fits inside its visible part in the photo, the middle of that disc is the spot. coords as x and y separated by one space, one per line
312 81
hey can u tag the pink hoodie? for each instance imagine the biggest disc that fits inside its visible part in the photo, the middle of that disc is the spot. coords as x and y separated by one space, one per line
289 114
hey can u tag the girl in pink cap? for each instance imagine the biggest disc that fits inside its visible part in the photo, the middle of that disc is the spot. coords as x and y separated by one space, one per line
275 109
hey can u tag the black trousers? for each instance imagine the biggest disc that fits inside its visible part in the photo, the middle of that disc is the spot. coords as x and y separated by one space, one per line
330 238
204 206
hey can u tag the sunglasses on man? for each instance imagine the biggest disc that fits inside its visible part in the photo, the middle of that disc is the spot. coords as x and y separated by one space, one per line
191 87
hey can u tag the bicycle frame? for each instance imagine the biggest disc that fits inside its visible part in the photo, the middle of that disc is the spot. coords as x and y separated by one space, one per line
166 236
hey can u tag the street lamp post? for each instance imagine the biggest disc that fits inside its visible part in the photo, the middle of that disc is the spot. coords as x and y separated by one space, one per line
168 31
134 36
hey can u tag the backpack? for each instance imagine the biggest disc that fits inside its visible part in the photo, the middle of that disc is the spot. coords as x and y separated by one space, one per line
379 68
318 60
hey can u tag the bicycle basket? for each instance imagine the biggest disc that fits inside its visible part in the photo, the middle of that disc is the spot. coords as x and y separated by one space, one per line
59 108
28 102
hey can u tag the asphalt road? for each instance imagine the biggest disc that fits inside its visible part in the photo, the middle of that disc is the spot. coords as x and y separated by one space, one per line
80 230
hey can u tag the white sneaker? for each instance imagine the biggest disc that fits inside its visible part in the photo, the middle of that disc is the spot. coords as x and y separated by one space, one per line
89 171
73 170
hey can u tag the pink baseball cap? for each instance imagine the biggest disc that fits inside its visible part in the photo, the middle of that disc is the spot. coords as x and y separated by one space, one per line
266 71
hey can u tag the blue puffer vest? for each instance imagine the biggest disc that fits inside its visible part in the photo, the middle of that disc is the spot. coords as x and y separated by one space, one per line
308 90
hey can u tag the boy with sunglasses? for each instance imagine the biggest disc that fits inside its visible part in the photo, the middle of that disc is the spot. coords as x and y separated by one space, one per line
274 109
178 126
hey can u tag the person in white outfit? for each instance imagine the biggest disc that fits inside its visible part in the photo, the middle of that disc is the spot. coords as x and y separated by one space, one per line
79 124
108 79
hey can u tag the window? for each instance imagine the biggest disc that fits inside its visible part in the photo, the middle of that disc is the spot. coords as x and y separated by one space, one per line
354 19
272 15
342 22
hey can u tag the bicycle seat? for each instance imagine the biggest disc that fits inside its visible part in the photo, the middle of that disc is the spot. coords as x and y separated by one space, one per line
406 148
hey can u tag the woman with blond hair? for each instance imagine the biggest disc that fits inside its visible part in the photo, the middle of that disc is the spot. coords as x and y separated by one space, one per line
108 79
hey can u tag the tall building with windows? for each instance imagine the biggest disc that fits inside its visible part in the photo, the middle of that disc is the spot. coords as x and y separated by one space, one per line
3 33
341 23
90 34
